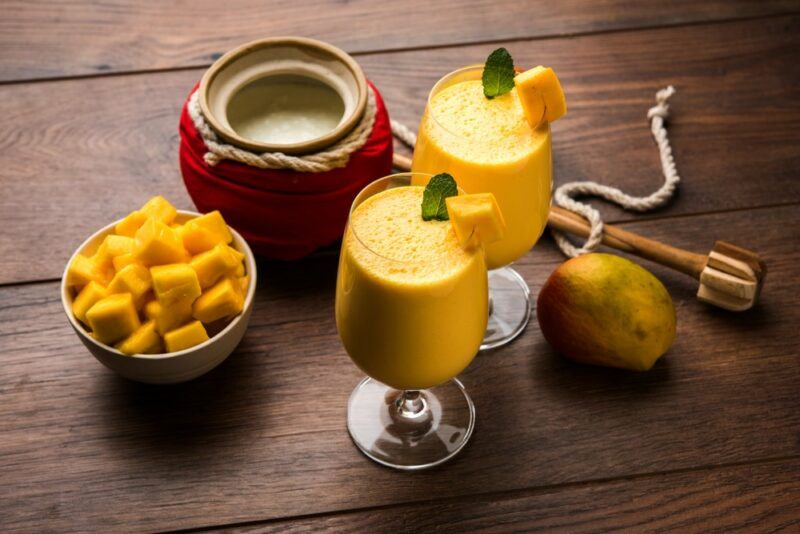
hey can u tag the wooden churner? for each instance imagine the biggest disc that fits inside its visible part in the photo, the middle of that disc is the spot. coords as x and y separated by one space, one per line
730 277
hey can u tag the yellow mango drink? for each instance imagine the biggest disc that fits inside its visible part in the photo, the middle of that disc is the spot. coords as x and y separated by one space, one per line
490 147
411 310
410 302
500 145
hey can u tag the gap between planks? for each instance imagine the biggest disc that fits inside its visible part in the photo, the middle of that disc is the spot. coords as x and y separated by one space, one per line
402 49
498 495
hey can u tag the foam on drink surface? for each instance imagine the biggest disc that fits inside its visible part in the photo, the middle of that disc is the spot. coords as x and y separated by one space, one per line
398 244
479 129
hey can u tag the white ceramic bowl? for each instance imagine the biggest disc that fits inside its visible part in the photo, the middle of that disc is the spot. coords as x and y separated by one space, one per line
173 367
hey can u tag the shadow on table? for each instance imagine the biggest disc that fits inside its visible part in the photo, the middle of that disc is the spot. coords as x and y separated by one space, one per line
185 421
229 407
576 381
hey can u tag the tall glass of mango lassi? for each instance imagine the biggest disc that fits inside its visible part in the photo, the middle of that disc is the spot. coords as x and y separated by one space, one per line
490 147
411 312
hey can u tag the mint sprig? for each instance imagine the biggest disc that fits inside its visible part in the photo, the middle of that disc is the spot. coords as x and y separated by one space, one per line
439 188
498 74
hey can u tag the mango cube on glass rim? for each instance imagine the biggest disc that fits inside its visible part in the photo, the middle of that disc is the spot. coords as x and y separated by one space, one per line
113 318
133 279
541 95
225 299
185 337
158 244
477 214
168 317
144 340
88 296
175 282
83 270
204 232
212 264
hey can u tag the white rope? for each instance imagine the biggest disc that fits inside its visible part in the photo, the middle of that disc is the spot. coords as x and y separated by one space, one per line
404 133
565 194
333 157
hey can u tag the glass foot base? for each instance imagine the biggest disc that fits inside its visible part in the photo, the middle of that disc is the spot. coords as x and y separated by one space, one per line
509 307
417 431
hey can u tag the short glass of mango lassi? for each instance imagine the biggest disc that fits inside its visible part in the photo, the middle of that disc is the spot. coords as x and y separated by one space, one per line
411 312
490 147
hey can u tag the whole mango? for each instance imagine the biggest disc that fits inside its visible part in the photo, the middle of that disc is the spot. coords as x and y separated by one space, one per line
602 309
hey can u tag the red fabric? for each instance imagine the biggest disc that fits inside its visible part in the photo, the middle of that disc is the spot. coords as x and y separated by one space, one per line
283 214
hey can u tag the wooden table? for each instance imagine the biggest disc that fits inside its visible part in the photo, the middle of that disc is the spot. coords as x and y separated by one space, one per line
709 439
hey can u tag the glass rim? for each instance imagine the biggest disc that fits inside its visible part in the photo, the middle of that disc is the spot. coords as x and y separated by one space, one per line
437 87
396 176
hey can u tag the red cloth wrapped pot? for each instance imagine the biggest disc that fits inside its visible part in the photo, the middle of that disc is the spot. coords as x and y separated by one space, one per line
284 214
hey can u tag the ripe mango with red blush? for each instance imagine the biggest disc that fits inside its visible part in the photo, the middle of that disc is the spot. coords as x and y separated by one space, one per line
602 309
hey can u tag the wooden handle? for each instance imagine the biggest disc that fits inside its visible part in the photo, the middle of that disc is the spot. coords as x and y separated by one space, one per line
682 260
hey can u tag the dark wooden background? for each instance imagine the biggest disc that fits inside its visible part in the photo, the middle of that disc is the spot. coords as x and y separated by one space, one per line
709 439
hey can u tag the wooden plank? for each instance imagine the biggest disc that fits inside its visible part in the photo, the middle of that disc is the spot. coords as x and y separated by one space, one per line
101 146
762 497
41 39
264 437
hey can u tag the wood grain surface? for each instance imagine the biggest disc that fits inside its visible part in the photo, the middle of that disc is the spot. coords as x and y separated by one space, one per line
709 440
87 150
44 39
763 497
263 436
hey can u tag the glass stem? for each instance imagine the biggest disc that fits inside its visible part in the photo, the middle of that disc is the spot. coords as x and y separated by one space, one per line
410 404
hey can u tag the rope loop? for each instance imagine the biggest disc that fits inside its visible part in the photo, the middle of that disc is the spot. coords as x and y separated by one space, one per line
565 195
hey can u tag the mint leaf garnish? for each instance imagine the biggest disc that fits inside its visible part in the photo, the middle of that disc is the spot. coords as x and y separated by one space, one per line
498 74
439 188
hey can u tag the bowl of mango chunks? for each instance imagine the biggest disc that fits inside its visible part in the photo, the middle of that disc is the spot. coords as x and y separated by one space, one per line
161 296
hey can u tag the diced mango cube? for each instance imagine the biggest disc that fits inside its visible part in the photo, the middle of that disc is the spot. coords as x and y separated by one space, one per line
244 282
144 340
132 222
113 318
213 264
168 317
174 283
476 214
202 233
158 244
224 299
133 279
121 261
239 271
159 209
151 309
116 245
186 336
541 95
83 270
88 296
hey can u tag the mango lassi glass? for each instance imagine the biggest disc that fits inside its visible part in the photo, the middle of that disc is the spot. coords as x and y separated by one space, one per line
488 146
411 312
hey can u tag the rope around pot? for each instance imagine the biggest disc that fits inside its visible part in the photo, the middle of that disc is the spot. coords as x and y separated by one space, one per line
334 157
565 194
